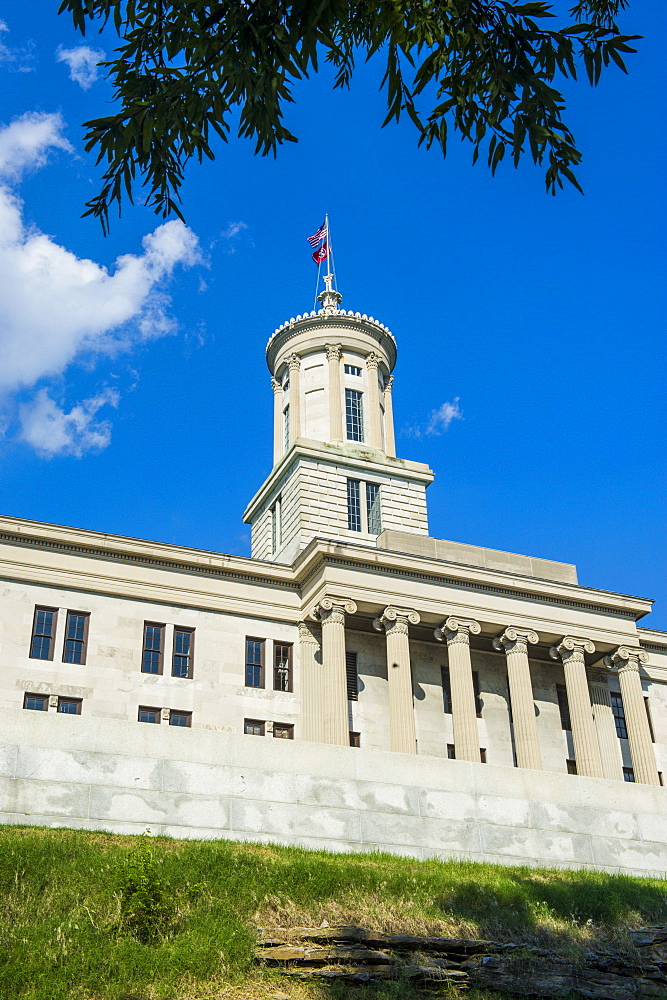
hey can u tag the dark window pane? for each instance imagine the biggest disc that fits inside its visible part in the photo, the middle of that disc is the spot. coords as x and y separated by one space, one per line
619 716
151 661
373 512
180 718
352 676
73 651
36 702
151 658
563 707
282 674
478 700
354 505
451 753
253 663
69 706
253 727
446 690
42 634
628 774
355 739
149 715
571 766
182 659
282 732
354 420
41 647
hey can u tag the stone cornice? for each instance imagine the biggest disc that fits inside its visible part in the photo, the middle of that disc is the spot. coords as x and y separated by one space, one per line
318 322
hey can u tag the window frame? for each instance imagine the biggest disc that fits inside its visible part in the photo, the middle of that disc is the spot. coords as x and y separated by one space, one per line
352 418
149 708
373 508
178 712
84 642
355 739
286 428
262 663
451 751
446 690
34 634
74 701
288 727
40 697
352 675
618 711
353 370
188 630
649 718
259 723
290 647
629 775
144 649
571 765
479 704
563 708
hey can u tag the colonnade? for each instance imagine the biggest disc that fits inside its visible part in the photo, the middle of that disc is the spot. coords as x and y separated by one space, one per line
325 704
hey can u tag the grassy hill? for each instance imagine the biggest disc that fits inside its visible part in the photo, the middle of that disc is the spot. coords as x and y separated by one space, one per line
92 916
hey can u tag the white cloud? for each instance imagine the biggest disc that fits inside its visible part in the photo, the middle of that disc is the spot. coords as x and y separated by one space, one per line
82 62
235 237
438 421
18 60
47 428
58 308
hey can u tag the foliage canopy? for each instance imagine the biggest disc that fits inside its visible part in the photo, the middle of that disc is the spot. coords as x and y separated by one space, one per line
486 68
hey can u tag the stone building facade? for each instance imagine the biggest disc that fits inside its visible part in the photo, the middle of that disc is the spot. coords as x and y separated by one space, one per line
447 666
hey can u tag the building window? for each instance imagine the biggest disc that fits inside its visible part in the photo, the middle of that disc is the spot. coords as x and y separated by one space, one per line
563 708
478 699
282 666
253 727
180 719
181 665
650 719
149 714
69 706
151 657
619 716
352 677
254 663
446 690
373 512
281 731
482 754
451 752
628 774
352 370
276 527
76 637
286 428
43 633
354 505
36 702
354 415
571 766
355 739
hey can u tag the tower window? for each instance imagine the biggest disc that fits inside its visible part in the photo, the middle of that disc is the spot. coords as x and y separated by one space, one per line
286 427
364 510
282 666
182 661
373 508
76 634
354 415
151 658
352 370
43 632
354 505
619 717
276 527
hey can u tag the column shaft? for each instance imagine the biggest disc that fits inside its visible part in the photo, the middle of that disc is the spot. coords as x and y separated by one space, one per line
374 415
402 736
526 739
389 440
331 613
277 420
294 362
464 717
610 751
639 735
334 353
312 715
584 736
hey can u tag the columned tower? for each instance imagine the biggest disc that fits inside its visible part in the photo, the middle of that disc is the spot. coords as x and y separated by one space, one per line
335 472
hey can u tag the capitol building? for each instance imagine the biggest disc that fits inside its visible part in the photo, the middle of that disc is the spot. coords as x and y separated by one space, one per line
430 698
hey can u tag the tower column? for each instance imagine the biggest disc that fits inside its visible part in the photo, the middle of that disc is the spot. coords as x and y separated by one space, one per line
334 354
395 622
389 440
586 748
294 364
277 420
312 717
457 632
515 641
610 751
627 661
374 415
331 613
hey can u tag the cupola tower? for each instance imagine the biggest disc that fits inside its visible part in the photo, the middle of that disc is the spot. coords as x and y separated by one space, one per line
335 473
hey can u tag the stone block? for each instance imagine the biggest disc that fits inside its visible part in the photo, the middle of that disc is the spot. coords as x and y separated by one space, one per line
289 821
502 810
415 831
49 798
8 758
196 779
437 804
88 768
645 857
543 847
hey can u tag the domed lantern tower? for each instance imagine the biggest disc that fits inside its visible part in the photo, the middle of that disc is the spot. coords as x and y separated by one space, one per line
335 472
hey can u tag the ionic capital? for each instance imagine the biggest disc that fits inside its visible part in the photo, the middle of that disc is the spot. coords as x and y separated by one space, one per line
308 632
457 630
373 361
332 610
276 385
334 351
571 647
515 638
389 383
396 620
293 362
626 658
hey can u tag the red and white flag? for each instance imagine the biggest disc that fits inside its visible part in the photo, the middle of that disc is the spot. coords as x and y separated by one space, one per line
320 235
322 253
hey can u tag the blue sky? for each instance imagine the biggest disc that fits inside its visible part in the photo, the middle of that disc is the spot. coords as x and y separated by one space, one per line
136 400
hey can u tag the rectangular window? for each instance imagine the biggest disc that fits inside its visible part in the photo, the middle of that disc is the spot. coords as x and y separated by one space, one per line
43 633
482 754
352 370
478 699
36 702
151 657
76 637
352 676
373 512
281 731
628 774
254 663
446 690
282 666
181 665
180 718
619 716
451 752
650 719
354 505
253 727
563 707
355 739
571 766
286 428
354 415
149 714
276 528
69 706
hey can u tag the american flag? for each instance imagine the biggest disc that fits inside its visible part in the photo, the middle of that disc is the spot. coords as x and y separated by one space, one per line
319 235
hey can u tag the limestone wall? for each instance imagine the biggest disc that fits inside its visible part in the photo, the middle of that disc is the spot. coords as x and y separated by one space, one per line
107 774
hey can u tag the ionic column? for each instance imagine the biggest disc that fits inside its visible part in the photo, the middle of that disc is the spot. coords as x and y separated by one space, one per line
515 641
389 440
334 354
277 420
375 417
610 751
457 632
294 364
312 716
627 660
586 749
395 622
331 613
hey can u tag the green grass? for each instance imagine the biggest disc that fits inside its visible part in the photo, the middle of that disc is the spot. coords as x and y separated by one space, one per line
65 933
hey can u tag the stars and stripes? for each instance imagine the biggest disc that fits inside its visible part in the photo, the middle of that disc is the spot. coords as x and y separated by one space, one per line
318 236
